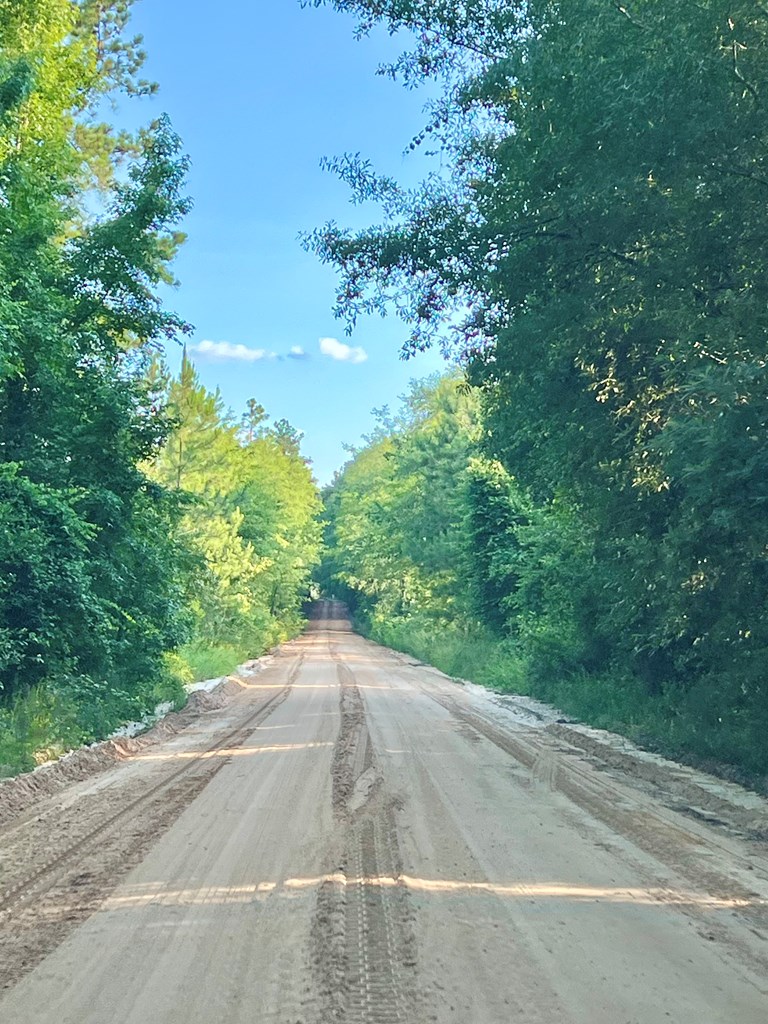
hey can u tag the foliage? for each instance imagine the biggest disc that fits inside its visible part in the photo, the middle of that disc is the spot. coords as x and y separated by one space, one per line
395 510
98 548
496 512
203 661
593 251
460 649
89 599
249 520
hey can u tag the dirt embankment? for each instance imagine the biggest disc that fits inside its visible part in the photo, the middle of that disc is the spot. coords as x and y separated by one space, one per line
24 791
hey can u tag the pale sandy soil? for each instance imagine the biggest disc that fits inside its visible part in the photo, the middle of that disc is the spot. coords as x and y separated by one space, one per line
355 838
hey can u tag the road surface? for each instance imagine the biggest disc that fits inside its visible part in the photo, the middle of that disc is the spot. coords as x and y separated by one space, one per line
355 838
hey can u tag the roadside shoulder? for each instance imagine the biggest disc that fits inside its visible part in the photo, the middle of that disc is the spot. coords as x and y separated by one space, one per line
693 792
22 792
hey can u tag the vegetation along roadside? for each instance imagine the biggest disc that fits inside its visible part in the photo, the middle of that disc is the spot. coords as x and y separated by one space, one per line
146 537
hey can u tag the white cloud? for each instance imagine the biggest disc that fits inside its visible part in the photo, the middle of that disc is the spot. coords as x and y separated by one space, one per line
297 352
226 350
335 349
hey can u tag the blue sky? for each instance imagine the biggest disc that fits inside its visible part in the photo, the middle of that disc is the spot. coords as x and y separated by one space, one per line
259 93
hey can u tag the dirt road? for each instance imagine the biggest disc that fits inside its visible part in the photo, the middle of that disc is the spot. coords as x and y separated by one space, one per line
354 838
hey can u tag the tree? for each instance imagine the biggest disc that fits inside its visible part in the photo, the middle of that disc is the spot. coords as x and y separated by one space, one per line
90 603
594 252
496 514
396 511
250 517
253 417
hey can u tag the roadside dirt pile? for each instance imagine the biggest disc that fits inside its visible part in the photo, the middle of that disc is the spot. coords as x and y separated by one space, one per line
692 792
18 794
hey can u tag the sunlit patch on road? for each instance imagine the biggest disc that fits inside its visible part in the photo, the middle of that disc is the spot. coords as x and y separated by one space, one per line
276 748
529 891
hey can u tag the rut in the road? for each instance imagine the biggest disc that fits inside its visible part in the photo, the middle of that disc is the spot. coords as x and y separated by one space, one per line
364 945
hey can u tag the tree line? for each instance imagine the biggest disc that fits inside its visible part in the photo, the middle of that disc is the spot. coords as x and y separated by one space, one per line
592 252
140 525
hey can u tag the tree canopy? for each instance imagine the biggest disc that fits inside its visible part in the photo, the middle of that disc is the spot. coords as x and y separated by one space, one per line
591 250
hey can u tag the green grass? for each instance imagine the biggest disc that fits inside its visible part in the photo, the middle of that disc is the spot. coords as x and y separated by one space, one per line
698 727
46 723
463 652
27 732
210 661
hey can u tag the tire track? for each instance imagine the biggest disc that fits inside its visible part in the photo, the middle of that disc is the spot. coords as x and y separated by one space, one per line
657 833
236 737
364 948
589 790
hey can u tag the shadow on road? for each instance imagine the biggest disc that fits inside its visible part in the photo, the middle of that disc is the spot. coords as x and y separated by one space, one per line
329 616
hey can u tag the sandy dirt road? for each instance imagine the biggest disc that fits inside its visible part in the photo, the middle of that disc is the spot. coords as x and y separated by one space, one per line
357 839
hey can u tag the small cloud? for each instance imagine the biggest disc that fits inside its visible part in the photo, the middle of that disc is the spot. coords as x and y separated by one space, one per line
297 352
226 350
335 349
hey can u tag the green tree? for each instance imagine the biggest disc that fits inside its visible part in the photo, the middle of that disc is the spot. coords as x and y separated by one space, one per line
250 517
594 252
396 511
496 513
90 599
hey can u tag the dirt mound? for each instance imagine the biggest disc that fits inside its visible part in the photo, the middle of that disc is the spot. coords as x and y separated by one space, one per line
690 791
18 794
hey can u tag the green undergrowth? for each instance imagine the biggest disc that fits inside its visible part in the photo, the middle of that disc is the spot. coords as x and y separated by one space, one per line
209 662
45 723
205 659
697 728
465 653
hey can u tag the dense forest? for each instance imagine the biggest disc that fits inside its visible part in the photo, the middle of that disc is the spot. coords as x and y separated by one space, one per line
587 518
146 536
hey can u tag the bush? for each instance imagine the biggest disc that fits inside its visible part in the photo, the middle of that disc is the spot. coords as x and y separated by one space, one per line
462 651
209 662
